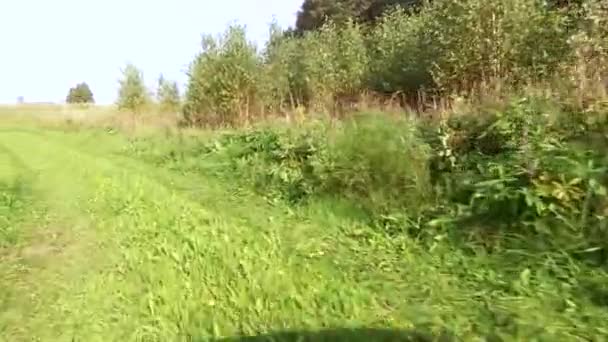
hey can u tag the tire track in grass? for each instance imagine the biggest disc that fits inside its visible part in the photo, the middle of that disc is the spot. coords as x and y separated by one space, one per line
184 271
164 265
188 215
55 235
15 196
403 283
19 215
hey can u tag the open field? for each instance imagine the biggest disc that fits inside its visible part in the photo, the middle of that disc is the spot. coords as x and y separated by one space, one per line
101 242
435 171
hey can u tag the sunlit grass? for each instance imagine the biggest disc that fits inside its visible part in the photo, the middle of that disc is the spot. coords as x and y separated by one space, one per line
140 246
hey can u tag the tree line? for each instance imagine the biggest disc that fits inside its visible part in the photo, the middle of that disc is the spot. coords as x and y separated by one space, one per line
133 94
414 52
339 51
315 13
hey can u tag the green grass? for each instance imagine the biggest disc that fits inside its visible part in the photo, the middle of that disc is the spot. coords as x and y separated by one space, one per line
107 245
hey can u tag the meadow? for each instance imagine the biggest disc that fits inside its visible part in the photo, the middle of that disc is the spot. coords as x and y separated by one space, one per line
402 181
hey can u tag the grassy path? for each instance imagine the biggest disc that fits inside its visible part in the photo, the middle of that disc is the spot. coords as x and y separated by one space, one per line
106 248
132 259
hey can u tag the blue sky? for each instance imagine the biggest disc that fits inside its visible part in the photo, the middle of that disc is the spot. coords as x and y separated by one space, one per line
47 46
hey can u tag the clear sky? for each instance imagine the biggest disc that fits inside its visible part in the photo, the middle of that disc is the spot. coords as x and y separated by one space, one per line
48 46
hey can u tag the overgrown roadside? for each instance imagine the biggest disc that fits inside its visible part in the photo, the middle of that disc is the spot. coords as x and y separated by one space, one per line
161 254
180 271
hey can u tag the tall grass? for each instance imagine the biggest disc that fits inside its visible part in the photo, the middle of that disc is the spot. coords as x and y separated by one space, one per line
528 174
515 153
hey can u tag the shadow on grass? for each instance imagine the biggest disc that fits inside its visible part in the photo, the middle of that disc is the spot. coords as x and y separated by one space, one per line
341 335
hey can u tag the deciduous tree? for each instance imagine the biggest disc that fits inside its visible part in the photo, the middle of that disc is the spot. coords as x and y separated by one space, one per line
132 94
81 93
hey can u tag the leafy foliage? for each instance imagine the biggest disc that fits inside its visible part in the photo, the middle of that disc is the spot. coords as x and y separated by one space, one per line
511 174
224 77
323 262
400 59
81 93
467 48
518 173
490 219
132 94
336 64
380 163
476 41
168 95
314 13
588 73
357 160
519 186
499 171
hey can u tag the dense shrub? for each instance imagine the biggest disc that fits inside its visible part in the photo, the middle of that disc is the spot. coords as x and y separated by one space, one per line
588 73
475 41
399 60
524 172
531 168
519 173
379 162
276 89
224 83
335 64
376 162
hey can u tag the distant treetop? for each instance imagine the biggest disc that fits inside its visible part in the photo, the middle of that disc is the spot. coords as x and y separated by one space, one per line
314 13
132 94
81 93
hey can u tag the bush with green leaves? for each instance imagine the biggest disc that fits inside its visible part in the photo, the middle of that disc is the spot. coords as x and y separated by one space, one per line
457 46
519 174
81 93
132 92
168 95
336 64
473 42
452 46
588 74
277 162
379 162
508 176
400 62
230 82
224 80
279 62
286 79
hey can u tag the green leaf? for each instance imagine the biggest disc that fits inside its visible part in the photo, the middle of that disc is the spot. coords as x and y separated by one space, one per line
524 277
